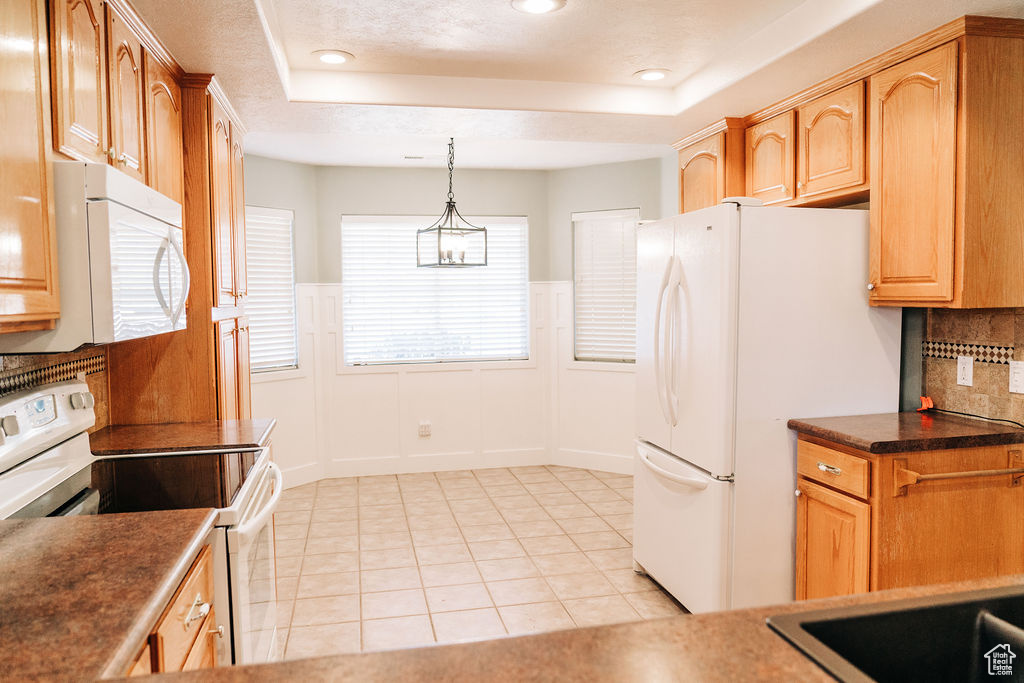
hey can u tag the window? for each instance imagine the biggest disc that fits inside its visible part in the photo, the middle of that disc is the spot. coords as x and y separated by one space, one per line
271 302
605 285
394 312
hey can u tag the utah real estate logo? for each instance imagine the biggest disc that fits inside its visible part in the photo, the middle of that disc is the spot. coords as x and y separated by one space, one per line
1000 660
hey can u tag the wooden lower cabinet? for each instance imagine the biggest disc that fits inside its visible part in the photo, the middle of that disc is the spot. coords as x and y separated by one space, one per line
834 543
925 517
185 637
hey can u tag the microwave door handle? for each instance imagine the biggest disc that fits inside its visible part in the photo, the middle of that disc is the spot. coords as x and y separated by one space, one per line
186 278
156 277
252 526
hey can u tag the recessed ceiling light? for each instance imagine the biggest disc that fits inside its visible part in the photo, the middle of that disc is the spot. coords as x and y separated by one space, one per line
334 56
538 6
651 74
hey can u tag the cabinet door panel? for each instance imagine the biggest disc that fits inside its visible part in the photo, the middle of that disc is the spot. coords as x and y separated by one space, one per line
222 201
79 79
830 144
28 259
238 210
163 130
833 540
244 384
702 174
227 370
127 126
770 159
913 169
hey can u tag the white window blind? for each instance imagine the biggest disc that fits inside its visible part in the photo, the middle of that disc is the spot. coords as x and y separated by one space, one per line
394 312
271 280
605 285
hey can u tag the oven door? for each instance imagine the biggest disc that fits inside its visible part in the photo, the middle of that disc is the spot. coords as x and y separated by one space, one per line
252 573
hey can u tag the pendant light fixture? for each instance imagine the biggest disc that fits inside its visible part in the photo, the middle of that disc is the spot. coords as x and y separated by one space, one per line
452 241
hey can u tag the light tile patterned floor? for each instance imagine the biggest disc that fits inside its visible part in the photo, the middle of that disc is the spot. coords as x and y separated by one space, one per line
371 563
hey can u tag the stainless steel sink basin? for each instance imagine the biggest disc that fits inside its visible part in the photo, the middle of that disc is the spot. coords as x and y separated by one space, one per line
974 636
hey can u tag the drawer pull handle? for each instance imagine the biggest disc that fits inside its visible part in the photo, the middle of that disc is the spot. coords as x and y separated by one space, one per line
831 469
197 611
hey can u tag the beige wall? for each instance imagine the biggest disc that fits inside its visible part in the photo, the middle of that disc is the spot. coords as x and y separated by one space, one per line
628 185
320 195
284 185
421 192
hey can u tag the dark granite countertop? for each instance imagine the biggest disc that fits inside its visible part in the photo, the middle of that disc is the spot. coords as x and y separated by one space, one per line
913 431
723 646
181 436
79 595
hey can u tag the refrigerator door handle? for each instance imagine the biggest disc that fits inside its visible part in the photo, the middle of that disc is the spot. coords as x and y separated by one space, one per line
659 348
675 288
692 482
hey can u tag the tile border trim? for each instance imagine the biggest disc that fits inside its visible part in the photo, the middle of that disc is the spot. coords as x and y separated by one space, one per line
999 355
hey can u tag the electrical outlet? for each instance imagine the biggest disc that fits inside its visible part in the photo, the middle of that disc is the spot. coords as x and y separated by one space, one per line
424 428
965 371
1017 376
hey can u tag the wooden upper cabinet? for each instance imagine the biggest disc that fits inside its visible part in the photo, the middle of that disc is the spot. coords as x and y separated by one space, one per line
770 157
711 168
79 87
913 109
238 210
163 129
833 543
222 207
701 170
831 144
127 121
28 258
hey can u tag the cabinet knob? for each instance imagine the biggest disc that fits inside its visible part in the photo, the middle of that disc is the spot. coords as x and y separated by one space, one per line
798 493
800 185
122 158
111 153
219 632
871 286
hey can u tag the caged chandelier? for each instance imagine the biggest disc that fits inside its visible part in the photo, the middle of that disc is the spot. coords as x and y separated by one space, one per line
452 241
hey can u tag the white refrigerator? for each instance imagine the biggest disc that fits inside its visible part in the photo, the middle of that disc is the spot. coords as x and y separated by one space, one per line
746 317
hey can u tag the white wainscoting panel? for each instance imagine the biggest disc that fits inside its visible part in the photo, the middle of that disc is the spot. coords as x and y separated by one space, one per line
337 421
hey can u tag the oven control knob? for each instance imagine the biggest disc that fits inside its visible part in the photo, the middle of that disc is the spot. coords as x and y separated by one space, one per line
9 423
82 399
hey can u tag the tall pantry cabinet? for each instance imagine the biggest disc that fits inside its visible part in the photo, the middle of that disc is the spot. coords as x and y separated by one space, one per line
206 367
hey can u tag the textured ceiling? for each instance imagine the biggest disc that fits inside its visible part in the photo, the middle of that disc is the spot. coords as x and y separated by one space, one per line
588 41
728 66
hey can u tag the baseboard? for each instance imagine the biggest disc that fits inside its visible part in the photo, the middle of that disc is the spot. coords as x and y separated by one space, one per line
301 474
593 460
442 462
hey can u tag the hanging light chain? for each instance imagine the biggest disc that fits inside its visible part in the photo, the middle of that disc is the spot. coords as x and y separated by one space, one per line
451 168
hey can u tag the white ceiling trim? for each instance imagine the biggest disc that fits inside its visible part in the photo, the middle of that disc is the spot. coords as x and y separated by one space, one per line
477 93
810 20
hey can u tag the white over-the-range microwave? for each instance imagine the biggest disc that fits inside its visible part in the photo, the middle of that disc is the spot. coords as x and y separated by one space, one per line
122 269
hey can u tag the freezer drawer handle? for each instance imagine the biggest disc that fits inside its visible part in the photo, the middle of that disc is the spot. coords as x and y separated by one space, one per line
831 469
692 482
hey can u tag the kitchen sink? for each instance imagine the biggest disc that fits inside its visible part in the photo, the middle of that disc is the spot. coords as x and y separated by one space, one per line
971 636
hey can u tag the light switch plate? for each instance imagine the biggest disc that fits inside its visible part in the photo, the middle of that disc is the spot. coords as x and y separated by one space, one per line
1017 376
965 371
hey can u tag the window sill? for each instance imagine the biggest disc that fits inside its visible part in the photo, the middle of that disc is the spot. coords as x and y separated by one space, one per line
600 366
270 376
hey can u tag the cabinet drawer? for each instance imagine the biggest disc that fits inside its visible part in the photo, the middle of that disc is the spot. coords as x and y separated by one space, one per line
183 621
834 468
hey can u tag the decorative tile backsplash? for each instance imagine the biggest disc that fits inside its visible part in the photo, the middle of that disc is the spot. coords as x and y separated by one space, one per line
993 337
20 372
980 352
